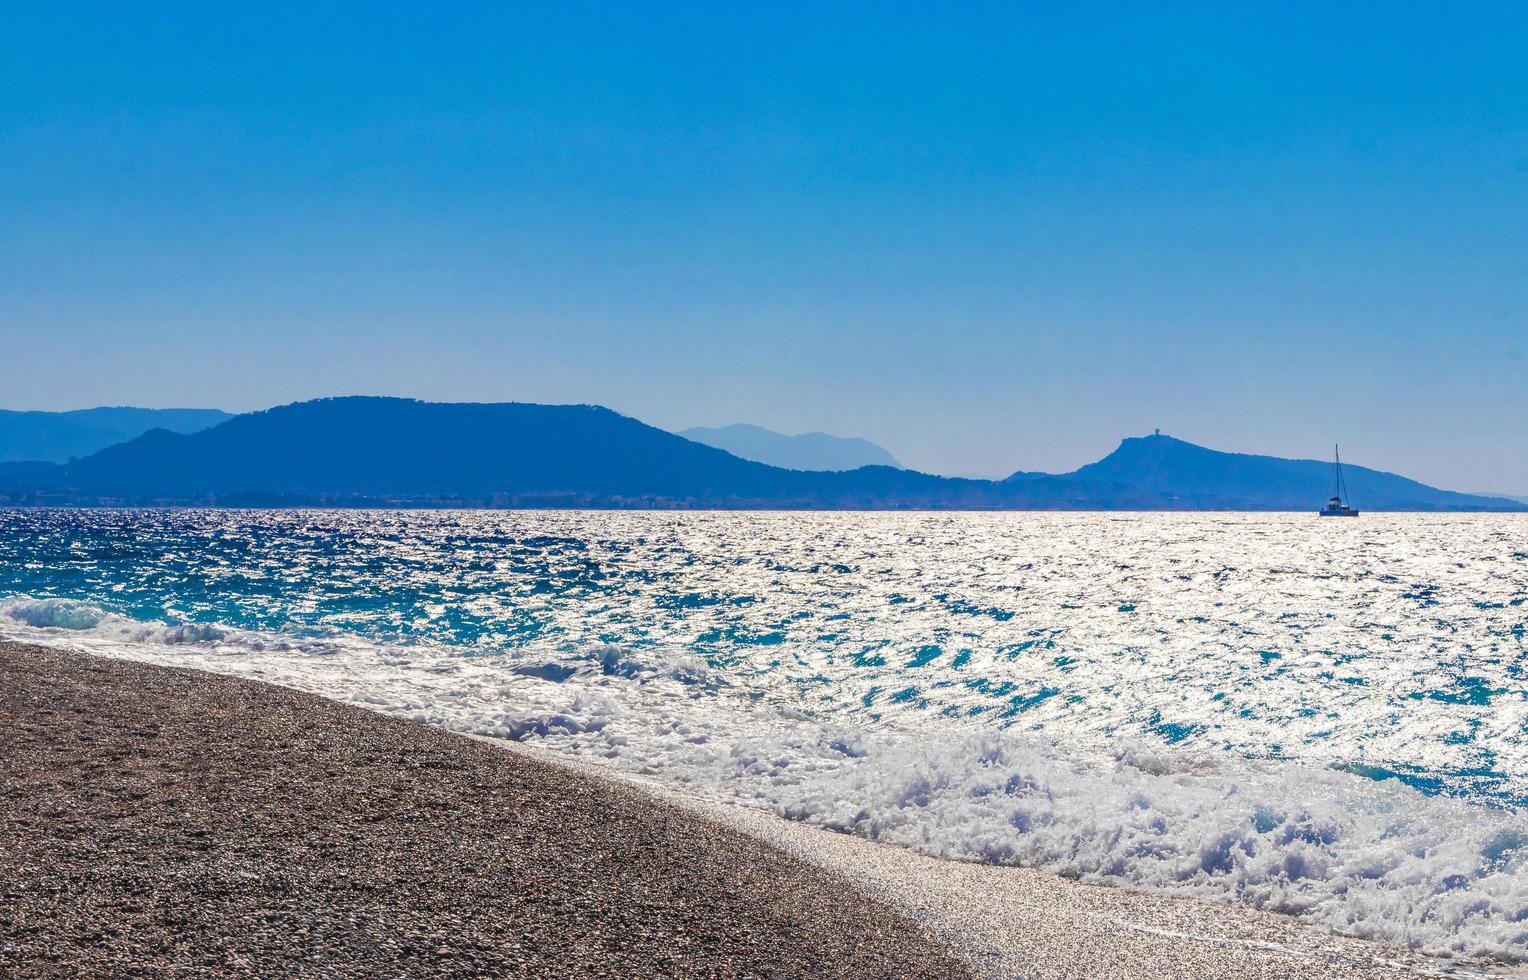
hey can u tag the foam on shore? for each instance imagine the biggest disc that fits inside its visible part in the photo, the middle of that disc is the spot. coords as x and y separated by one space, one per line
1376 860
1013 921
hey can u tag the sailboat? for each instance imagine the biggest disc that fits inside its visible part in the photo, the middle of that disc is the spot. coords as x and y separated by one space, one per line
1337 506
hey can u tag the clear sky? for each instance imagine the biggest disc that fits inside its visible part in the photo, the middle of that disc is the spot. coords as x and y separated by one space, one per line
987 237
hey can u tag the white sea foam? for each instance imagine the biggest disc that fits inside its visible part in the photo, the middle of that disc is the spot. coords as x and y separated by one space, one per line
1367 858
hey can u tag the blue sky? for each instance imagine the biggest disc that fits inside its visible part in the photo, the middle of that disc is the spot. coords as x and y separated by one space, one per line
988 237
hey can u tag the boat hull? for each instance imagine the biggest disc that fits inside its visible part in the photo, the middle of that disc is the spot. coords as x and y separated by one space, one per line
1339 513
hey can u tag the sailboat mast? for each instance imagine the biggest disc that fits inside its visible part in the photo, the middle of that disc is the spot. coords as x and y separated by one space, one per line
1338 505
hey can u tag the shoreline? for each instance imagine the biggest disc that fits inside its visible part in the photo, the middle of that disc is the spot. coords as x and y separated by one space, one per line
165 820
1009 921
997 921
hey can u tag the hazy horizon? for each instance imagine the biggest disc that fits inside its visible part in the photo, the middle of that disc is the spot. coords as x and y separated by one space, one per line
986 239
997 472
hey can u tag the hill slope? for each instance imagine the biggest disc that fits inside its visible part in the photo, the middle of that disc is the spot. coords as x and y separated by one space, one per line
1185 472
808 451
393 450
55 437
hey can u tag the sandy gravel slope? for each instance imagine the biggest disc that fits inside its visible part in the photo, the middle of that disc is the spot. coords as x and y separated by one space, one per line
170 822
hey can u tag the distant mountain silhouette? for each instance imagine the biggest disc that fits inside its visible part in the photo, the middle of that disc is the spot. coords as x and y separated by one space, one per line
1182 471
398 452
808 451
372 451
56 437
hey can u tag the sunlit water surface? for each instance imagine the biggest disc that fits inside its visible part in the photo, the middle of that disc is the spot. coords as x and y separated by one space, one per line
1322 717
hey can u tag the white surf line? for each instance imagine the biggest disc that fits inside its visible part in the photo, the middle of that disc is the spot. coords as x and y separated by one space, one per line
1464 970
1013 921
1022 922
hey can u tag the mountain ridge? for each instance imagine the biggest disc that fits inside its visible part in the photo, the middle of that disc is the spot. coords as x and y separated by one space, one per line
372 451
56 437
813 451
1174 467
375 451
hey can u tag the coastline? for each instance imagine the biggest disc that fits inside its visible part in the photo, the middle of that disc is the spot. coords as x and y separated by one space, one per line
850 907
170 821
1010 921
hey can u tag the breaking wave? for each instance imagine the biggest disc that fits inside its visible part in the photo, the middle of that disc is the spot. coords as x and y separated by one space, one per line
1375 859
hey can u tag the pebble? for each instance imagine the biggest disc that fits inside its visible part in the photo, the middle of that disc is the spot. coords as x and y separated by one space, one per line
225 827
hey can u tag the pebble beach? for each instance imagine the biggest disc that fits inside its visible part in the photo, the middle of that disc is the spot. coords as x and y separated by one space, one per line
165 822
161 821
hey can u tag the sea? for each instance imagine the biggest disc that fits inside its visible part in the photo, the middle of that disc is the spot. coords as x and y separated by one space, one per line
1325 718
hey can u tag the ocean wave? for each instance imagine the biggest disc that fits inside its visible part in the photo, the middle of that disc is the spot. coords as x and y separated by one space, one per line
64 614
1378 860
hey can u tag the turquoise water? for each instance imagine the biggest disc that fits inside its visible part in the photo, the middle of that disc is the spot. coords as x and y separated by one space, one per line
900 616
946 680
